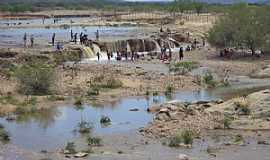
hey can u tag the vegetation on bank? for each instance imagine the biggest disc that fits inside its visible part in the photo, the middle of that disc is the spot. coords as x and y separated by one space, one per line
183 67
243 26
180 6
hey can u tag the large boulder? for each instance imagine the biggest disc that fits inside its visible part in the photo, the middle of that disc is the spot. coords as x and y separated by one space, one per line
263 73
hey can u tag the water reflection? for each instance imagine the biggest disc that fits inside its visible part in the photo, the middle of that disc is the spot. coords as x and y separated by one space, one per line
53 127
44 118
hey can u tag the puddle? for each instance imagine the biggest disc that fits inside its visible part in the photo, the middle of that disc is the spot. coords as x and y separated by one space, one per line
52 128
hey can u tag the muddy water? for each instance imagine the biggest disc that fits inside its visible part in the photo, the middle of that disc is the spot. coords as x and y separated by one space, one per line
52 128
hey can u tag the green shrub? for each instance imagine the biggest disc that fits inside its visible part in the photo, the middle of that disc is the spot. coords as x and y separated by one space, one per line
105 120
94 141
8 99
78 101
55 98
227 122
35 78
70 148
239 139
93 90
113 83
4 135
169 89
84 127
208 79
242 107
183 66
186 137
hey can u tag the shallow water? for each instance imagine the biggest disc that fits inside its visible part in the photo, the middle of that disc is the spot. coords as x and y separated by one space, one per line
52 128
42 36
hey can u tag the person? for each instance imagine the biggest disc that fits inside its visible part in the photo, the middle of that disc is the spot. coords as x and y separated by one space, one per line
188 48
132 56
81 38
161 29
53 39
75 38
181 53
97 35
108 55
170 54
32 40
71 35
43 20
98 56
126 55
195 43
118 56
204 43
25 39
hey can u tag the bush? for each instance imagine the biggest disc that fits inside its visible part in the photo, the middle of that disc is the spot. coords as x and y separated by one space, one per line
84 127
78 101
55 98
93 90
242 107
183 67
239 139
101 81
186 137
169 89
35 78
208 79
94 141
4 135
227 122
70 148
105 120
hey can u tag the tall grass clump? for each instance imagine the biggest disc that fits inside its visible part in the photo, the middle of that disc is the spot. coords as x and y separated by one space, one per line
186 138
35 78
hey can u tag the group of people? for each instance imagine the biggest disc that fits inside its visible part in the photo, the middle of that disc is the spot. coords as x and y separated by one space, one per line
25 37
82 37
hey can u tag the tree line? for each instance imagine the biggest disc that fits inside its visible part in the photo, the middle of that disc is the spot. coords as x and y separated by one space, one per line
242 26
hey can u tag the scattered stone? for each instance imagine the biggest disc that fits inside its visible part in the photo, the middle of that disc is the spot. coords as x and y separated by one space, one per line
80 155
183 157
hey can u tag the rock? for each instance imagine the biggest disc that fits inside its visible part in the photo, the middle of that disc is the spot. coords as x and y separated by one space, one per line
80 155
162 117
154 109
183 157
134 109
164 110
263 142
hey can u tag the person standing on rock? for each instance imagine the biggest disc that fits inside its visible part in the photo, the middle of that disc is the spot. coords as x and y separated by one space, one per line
53 39
81 38
75 38
24 40
32 41
181 53
98 56
71 35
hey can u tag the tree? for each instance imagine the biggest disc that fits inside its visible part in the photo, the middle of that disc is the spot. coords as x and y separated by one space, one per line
243 26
